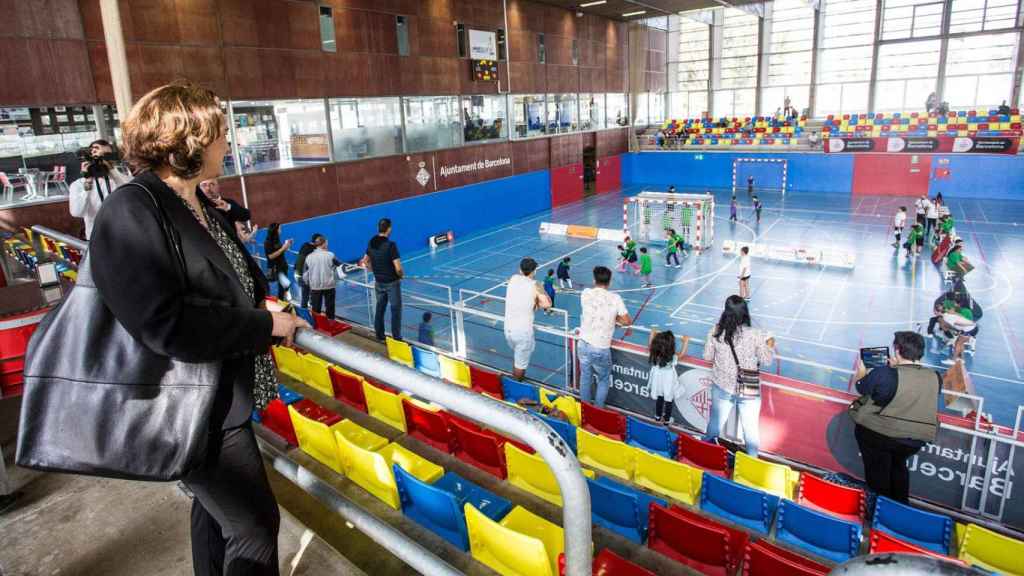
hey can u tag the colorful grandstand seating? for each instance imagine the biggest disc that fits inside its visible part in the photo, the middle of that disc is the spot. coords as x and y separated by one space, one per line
650 437
841 501
522 544
287 395
607 455
426 361
531 473
288 362
455 371
882 542
566 404
710 457
384 405
400 352
777 479
817 532
277 419
513 390
315 374
439 506
981 122
743 505
991 551
476 447
564 429
348 388
610 423
920 528
360 436
313 429
701 543
763 558
676 480
328 326
621 509
428 423
486 382
372 469
761 130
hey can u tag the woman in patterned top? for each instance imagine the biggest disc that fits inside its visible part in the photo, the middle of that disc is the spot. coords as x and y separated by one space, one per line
175 138
730 340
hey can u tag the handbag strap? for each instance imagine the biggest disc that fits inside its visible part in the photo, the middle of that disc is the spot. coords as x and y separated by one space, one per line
735 357
170 233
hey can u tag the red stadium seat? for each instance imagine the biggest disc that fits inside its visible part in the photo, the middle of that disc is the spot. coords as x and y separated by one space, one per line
710 457
762 558
604 422
882 542
348 388
608 563
485 382
428 425
275 418
699 542
327 326
479 448
842 501
314 411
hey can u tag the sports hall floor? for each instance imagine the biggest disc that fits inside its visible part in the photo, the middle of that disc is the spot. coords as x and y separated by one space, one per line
820 316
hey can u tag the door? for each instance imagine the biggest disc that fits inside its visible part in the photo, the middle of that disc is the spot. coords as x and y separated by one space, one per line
891 174
589 171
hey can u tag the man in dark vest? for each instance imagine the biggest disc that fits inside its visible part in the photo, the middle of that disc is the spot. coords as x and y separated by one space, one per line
896 415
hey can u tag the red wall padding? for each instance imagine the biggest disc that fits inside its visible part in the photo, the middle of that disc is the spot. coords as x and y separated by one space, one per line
566 184
891 174
609 174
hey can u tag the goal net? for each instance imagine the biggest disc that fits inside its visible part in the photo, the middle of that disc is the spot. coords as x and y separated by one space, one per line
648 215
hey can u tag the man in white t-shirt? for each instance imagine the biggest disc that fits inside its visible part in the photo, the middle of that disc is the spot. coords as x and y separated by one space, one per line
745 273
99 179
522 296
898 223
931 215
602 310
921 207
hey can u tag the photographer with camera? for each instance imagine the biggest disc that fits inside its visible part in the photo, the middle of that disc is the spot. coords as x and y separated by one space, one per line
99 179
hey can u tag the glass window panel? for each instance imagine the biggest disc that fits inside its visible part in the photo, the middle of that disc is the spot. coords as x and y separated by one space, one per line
844 67
617 110
977 15
994 89
402 32
909 60
981 54
484 118
276 134
911 19
791 38
528 115
962 92
562 113
693 65
365 127
591 111
327 43
640 114
228 164
656 111
738 60
432 122
739 103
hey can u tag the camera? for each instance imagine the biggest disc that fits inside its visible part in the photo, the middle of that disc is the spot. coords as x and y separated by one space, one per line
97 165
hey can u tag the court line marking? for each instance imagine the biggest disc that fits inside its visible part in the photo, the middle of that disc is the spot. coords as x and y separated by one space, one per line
807 296
832 310
1012 352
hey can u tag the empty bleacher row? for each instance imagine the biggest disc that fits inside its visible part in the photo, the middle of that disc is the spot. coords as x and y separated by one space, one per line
982 122
681 497
21 249
757 131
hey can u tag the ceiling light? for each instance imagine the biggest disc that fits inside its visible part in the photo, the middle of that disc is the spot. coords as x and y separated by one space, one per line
637 13
589 4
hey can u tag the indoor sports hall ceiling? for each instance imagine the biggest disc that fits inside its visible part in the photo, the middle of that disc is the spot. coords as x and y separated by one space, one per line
615 9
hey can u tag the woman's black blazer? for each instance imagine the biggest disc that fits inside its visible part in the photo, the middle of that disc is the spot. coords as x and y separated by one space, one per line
209 319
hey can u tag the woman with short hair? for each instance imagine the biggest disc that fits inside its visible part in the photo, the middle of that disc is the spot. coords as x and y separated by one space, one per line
732 347
175 138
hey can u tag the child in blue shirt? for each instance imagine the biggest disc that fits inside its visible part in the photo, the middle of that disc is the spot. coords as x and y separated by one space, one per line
549 289
426 335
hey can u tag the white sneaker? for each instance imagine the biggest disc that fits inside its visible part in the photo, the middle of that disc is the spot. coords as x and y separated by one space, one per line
948 361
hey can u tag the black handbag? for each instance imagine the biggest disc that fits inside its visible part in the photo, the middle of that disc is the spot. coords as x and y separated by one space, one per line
748 382
98 402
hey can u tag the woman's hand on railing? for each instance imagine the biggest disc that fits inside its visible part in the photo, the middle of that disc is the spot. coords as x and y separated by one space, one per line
285 325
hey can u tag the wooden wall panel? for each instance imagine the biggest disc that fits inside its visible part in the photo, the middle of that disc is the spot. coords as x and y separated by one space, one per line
382 33
566 150
530 155
92 23
245 74
239 22
351 29
292 194
479 155
100 68
54 215
612 142
199 22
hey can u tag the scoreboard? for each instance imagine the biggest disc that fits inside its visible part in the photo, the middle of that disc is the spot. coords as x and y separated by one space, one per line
485 70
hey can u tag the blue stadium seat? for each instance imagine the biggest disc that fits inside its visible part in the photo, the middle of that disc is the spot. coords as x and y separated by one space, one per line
287 395
438 507
748 507
513 390
620 508
305 314
564 429
650 437
816 532
925 529
426 361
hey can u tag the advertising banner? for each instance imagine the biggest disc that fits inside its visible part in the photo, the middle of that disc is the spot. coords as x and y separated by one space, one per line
925 145
810 424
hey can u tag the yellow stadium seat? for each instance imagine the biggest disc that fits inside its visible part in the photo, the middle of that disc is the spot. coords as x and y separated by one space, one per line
315 375
566 404
607 455
531 473
454 370
992 551
525 522
317 439
676 480
372 470
777 479
400 352
289 362
384 406
360 436
505 550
